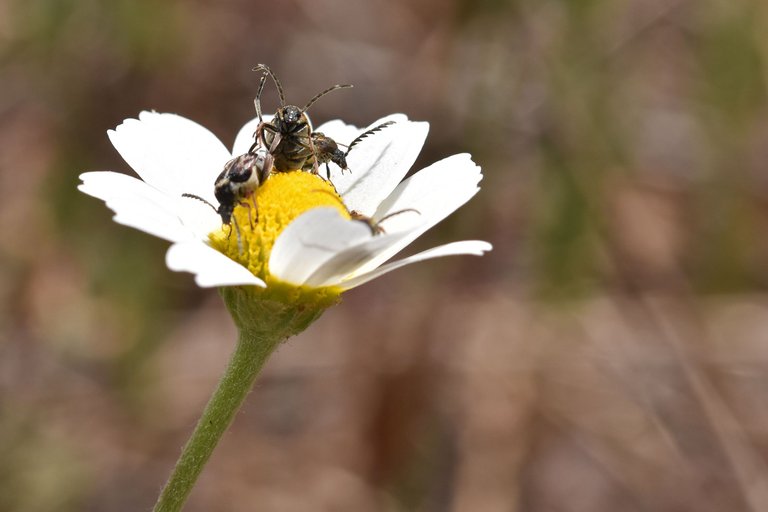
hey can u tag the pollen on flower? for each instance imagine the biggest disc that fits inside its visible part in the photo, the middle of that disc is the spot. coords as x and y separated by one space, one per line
261 219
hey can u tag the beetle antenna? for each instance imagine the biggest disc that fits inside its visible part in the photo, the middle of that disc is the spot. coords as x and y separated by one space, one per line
398 212
335 196
193 196
257 100
267 71
321 94
366 134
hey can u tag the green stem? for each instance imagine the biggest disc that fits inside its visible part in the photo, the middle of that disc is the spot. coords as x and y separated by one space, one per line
263 318
253 349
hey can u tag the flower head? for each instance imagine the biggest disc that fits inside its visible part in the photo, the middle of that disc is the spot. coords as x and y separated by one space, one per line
300 237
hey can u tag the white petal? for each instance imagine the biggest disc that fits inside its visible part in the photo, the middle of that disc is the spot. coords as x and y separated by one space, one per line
171 153
211 268
312 239
136 204
244 139
349 260
435 192
474 247
379 162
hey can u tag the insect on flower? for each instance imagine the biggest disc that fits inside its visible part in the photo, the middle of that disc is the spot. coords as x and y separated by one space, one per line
375 225
327 149
236 184
304 244
288 137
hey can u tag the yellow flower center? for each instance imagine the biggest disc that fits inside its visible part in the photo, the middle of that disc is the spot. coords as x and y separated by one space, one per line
259 221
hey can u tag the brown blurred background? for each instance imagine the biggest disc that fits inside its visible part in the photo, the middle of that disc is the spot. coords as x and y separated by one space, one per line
610 354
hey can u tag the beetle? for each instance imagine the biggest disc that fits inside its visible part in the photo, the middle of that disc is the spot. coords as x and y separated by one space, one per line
238 182
375 225
327 149
288 137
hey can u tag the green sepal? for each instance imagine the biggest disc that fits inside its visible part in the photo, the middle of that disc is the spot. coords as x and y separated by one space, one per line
279 311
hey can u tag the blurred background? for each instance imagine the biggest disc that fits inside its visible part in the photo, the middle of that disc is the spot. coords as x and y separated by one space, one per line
610 354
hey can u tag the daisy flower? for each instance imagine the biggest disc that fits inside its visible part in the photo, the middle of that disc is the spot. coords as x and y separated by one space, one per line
308 237
300 240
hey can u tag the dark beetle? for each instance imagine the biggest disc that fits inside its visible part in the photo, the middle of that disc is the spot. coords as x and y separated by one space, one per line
327 150
288 136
